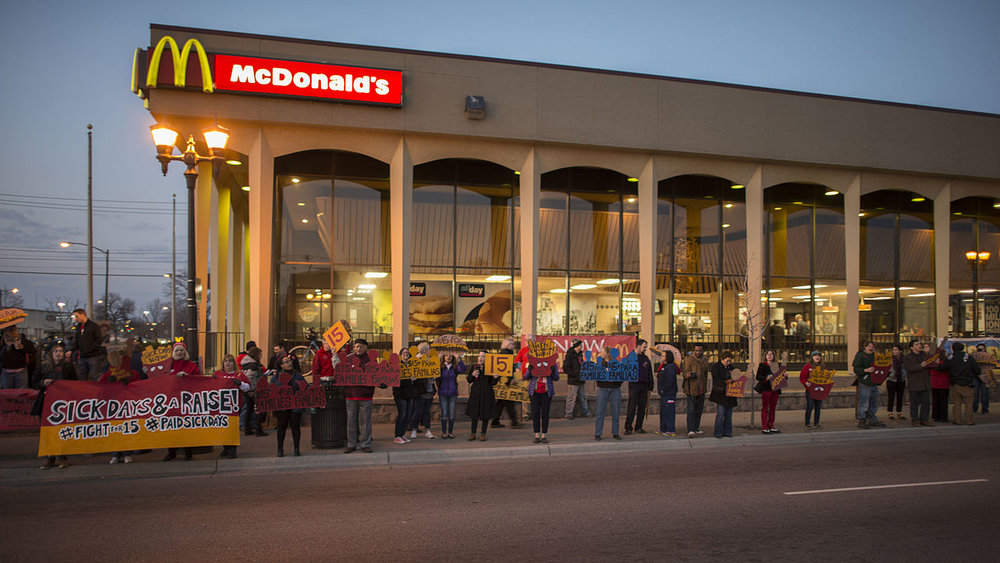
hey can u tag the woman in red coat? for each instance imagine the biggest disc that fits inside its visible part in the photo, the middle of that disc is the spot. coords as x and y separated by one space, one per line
181 366
232 373
940 384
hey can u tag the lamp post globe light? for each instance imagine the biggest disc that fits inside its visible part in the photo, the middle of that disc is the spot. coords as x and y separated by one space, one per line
164 138
107 262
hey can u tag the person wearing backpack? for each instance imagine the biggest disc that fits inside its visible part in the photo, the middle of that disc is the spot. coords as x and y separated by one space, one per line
962 374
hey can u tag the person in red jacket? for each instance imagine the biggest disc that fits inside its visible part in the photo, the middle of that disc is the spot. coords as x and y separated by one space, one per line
359 404
323 362
181 366
231 372
940 385
815 362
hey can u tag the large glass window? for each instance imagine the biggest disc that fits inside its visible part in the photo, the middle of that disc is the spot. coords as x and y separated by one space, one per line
333 236
588 233
974 295
465 247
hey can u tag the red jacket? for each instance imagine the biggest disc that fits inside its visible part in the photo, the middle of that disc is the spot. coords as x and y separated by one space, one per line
187 366
322 365
939 379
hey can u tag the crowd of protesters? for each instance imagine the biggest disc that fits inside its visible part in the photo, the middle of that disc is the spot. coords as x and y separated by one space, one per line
931 378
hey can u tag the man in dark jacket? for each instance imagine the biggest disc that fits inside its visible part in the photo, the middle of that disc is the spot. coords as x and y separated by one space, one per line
87 344
962 373
638 392
864 367
507 347
577 393
724 404
915 363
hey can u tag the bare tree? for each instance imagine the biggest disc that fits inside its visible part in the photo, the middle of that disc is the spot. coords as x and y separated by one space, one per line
118 310
10 299
755 315
62 314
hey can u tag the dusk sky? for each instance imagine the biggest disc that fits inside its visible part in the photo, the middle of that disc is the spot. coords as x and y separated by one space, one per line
66 64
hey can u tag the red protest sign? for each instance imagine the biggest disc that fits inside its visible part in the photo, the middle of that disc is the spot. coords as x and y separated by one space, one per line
820 392
15 409
780 379
351 370
282 396
166 412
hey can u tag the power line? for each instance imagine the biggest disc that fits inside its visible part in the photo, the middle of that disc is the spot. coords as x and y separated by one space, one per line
45 197
82 274
80 258
114 210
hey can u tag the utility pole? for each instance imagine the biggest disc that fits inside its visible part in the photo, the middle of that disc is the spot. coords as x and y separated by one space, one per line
90 221
173 273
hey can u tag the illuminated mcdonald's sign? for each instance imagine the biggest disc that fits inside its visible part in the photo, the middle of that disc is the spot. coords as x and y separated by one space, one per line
269 77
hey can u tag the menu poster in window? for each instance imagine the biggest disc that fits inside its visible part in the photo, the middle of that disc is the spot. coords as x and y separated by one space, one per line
434 311
484 308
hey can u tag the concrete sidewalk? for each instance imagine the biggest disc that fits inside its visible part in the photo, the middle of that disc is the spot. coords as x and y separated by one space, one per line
19 463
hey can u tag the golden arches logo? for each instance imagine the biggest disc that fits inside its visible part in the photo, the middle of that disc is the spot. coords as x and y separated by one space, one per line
180 59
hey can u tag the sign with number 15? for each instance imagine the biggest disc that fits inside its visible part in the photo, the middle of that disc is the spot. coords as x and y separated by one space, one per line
499 365
337 336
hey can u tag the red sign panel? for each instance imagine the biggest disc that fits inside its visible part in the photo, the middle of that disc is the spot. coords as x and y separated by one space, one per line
311 80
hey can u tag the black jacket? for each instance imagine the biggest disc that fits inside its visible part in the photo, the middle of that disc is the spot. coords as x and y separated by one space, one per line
25 358
571 367
87 339
962 369
720 375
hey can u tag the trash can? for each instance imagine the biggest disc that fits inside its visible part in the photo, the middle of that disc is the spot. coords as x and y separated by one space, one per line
329 424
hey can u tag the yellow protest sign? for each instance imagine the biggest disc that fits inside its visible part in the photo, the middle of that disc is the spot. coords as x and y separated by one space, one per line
541 348
337 336
151 355
421 367
820 376
499 365
512 389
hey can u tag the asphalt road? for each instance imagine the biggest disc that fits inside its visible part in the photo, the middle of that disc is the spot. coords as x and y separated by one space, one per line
714 504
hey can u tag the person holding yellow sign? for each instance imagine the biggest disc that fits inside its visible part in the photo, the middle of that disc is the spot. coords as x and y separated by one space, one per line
812 405
482 404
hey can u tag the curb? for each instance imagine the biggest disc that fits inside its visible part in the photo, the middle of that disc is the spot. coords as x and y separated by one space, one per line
334 461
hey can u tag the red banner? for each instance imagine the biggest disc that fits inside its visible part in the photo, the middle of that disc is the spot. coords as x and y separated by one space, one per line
15 409
350 371
282 397
165 412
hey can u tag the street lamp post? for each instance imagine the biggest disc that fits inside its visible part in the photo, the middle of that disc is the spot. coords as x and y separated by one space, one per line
976 261
164 138
12 291
90 272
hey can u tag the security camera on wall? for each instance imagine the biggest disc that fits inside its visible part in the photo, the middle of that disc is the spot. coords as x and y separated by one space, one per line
475 107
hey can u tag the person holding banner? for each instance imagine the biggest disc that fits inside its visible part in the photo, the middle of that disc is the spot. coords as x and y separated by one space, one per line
541 390
323 362
507 347
423 399
812 405
482 404
768 396
359 404
120 371
638 392
403 396
724 404
18 359
609 393
577 389
666 386
251 368
54 367
895 384
291 418
981 396
448 393
181 366
864 367
916 364
231 372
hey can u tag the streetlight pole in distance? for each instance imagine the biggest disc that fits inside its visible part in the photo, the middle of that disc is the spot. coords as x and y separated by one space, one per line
173 273
12 291
90 222
90 271
164 138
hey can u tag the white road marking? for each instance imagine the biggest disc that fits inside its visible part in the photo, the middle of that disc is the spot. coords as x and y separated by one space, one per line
818 491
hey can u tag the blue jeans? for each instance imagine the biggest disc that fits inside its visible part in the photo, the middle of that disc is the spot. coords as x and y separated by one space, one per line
668 413
14 379
359 424
810 405
981 396
695 406
447 412
404 411
606 395
723 421
89 369
577 395
867 402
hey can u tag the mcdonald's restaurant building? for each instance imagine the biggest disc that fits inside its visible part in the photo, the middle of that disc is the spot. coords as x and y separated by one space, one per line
417 193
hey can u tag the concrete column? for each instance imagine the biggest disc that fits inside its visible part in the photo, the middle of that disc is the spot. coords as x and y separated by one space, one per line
531 182
756 314
852 252
401 221
203 235
647 249
942 259
220 263
260 254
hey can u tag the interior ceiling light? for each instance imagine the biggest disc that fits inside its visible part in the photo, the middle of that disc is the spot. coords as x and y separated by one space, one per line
996 204
609 281
582 286
817 286
725 225
295 180
921 295
737 186
234 163
376 275
777 209
887 289
861 214
305 220
366 286
558 290
517 172
309 296
630 200
906 288
729 206
883 298
245 188
301 204
832 192
633 179
498 278
987 290
326 296
917 198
